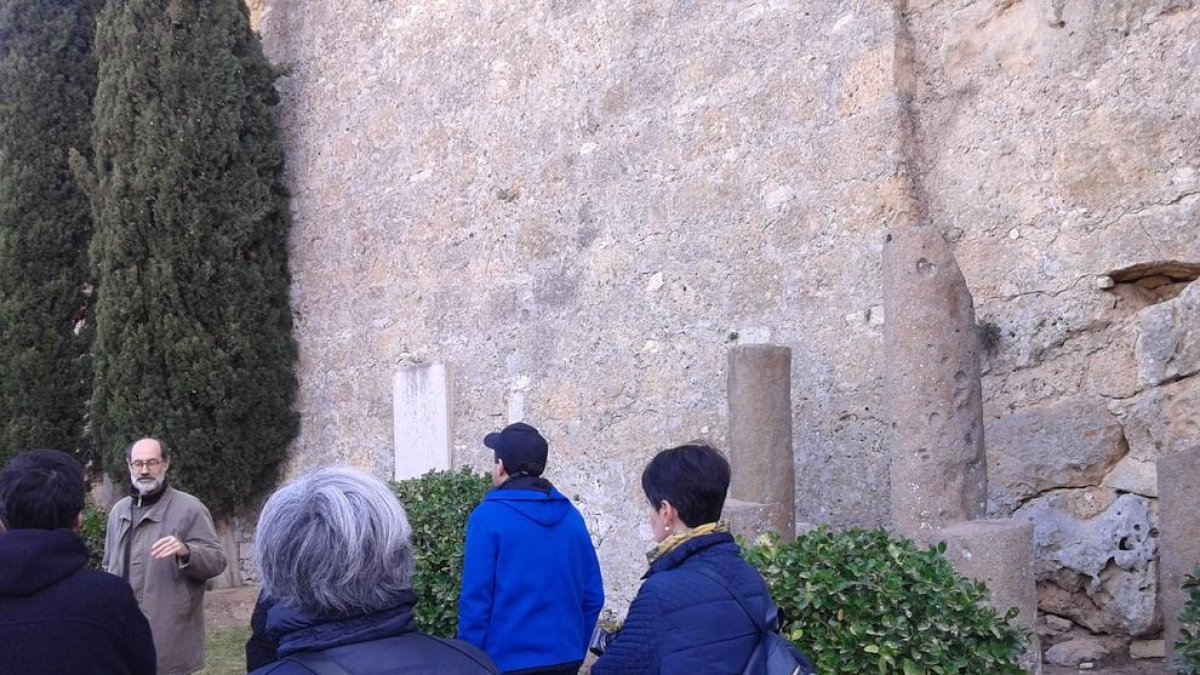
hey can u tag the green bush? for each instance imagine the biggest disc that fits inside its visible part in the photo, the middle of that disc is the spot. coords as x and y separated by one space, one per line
94 522
1187 647
861 602
438 505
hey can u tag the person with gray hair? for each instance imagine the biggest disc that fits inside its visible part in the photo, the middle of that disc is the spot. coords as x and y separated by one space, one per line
335 560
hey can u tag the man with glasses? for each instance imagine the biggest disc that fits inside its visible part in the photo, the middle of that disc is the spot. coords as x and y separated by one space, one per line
162 541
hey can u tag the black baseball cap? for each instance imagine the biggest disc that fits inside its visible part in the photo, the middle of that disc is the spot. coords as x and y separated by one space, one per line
520 447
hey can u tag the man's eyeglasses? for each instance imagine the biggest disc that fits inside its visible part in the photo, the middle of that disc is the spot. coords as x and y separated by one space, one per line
152 464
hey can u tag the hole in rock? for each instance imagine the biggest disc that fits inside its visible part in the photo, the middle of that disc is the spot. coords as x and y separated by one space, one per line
1150 283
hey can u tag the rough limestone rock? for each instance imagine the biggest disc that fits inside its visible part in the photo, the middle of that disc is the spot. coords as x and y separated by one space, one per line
1071 443
1147 649
1168 342
1163 420
1095 650
1133 475
1100 572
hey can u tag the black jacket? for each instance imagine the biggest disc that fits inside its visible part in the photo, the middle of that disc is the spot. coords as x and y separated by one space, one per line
58 617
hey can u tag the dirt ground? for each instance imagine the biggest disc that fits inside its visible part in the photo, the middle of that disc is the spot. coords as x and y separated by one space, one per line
1139 667
231 608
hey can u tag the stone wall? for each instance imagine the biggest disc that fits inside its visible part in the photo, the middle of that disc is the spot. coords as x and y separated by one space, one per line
581 205
1060 154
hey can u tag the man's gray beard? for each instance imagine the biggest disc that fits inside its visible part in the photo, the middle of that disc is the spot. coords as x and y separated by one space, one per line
149 486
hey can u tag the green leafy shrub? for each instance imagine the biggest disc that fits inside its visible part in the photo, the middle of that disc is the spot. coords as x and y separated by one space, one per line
1187 647
438 505
861 602
94 521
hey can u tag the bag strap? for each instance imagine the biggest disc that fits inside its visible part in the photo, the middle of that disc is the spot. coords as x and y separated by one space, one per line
758 620
318 662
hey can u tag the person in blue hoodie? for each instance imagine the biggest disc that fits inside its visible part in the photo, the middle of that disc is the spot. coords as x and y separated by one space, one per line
531 585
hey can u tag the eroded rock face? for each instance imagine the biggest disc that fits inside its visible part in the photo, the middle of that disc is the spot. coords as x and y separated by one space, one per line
1071 443
1097 570
1168 343
1163 420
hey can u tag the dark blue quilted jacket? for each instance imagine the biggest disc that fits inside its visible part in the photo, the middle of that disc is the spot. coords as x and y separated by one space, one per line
682 622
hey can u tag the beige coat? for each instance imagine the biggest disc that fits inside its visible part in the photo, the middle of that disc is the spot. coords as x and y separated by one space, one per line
170 594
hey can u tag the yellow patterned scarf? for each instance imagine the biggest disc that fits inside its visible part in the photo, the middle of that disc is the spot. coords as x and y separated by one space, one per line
672 542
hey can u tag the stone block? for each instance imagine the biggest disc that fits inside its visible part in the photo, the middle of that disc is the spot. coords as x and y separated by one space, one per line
1168 342
1051 627
421 418
932 379
1179 521
1000 554
1133 475
760 433
1086 652
1163 420
1070 443
1147 649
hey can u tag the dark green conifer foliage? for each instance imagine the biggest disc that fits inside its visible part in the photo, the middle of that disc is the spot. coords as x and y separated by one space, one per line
47 81
193 327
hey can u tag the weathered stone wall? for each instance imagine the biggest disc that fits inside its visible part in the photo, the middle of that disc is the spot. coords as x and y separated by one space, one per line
581 205
1060 153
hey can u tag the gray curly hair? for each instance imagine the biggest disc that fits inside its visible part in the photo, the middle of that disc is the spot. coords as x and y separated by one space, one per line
334 541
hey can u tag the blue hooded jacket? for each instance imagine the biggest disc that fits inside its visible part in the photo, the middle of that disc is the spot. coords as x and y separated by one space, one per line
531 590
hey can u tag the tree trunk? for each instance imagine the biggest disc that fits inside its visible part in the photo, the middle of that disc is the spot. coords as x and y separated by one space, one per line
226 534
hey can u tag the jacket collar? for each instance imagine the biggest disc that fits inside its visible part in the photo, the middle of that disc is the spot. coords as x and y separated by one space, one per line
674 541
524 481
689 546
297 631
157 507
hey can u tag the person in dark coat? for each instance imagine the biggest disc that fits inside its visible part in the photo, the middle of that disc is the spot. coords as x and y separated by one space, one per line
683 622
335 561
57 617
260 650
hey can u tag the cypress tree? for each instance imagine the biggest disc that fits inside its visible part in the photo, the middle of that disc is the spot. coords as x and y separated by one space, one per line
193 328
47 81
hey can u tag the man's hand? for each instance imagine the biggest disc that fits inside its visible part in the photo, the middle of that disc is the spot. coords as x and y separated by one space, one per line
169 546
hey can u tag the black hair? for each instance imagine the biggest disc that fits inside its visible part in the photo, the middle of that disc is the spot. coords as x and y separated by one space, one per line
41 490
693 478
